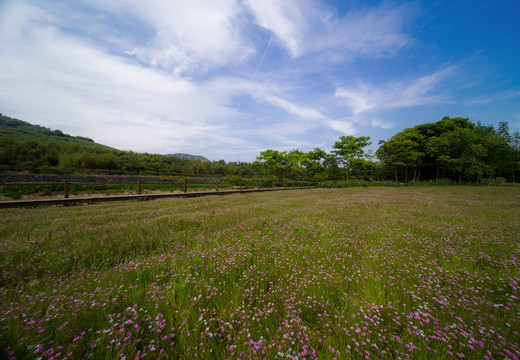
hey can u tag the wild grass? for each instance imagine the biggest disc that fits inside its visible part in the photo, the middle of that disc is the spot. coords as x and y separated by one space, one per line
375 273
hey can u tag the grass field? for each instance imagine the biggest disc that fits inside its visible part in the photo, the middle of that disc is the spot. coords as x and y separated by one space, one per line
374 273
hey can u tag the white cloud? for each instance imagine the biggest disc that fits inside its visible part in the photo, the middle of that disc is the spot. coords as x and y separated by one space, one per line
373 32
381 124
285 18
309 27
301 111
203 33
500 96
180 36
395 95
342 126
358 100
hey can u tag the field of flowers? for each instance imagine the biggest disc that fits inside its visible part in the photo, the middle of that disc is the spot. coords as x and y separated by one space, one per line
372 273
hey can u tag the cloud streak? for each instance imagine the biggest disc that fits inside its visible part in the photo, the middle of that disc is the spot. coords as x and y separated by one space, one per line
396 95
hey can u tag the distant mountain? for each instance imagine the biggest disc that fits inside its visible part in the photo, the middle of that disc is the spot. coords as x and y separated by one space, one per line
189 157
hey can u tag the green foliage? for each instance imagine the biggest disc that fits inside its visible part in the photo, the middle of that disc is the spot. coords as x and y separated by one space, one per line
404 150
454 148
349 148
318 169
340 184
274 162
499 181
21 130
460 153
237 180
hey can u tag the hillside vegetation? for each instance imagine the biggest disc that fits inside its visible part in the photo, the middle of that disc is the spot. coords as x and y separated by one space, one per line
377 273
23 131
452 149
33 148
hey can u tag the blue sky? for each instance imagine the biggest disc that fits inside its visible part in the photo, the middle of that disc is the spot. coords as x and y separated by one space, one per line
227 79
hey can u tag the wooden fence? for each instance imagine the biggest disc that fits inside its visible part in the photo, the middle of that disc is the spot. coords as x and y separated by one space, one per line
140 185
66 200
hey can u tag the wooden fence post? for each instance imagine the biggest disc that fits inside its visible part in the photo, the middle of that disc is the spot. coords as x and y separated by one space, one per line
185 189
259 185
66 189
217 185
273 184
239 186
139 190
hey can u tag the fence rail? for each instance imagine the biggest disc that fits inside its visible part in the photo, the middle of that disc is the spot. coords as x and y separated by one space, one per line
89 200
182 187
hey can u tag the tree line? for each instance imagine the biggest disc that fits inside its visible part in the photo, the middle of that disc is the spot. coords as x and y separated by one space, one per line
452 148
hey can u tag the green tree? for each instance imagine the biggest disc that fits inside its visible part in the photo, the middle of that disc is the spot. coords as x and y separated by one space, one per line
512 152
403 151
460 153
363 168
498 151
274 161
515 145
298 162
458 148
348 148
316 168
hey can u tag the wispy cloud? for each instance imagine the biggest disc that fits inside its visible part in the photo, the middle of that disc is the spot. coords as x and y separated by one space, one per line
400 94
500 96
345 127
285 18
301 111
381 124
189 36
308 27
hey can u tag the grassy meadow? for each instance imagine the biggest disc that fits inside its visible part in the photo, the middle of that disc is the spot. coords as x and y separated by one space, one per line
368 273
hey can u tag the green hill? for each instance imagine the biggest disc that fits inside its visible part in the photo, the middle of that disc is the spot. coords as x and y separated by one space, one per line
32 148
23 131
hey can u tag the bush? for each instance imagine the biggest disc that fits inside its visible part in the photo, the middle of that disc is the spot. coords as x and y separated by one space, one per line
13 195
499 181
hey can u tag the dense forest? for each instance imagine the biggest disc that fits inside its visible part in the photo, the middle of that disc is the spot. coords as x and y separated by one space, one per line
453 149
